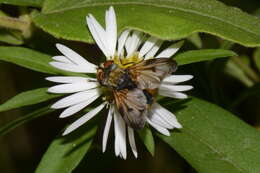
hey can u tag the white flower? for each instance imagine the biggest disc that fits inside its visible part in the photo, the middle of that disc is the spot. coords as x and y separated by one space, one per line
85 90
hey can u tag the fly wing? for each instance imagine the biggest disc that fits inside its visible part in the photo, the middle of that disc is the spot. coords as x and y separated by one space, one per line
133 107
148 74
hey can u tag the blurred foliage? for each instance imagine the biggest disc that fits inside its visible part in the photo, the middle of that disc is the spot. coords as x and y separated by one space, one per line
213 138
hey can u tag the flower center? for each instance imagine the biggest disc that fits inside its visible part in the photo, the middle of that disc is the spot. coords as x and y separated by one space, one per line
126 62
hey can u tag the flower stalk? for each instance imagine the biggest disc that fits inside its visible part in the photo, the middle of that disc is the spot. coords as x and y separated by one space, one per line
22 24
251 74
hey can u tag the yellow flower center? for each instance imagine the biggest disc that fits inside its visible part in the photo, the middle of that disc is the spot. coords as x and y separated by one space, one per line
128 61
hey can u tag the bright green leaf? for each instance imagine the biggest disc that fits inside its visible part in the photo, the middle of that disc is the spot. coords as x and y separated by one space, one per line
27 58
213 140
33 3
24 119
2 13
147 138
165 19
30 59
65 153
202 55
27 98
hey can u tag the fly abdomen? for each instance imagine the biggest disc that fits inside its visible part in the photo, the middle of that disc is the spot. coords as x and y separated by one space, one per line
149 97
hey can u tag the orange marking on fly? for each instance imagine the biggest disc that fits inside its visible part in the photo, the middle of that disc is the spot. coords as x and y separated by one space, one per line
101 70
108 63
100 74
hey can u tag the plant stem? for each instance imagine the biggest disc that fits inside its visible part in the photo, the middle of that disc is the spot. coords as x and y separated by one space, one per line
13 23
246 69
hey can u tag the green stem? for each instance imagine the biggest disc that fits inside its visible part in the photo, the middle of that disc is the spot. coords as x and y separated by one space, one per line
13 23
246 69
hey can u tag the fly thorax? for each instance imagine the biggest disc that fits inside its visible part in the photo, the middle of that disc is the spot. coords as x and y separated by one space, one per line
115 76
114 73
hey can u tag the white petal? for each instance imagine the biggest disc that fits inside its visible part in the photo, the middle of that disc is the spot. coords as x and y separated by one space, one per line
70 79
63 59
111 30
72 88
73 99
177 78
98 34
74 109
157 119
171 50
168 93
116 131
107 128
83 68
117 147
121 156
128 43
133 42
160 129
84 119
173 88
166 115
148 45
154 50
122 138
120 134
73 56
121 42
131 137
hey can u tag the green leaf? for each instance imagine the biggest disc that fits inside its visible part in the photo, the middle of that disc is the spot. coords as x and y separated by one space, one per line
24 119
27 98
28 58
8 37
147 138
31 59
213 140
196 40
224 44
65 153
165 19
237 72
2 13
33 3
257 58
243 62
193 56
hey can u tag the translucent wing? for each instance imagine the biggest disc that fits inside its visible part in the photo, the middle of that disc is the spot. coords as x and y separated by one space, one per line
132 105
148 74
